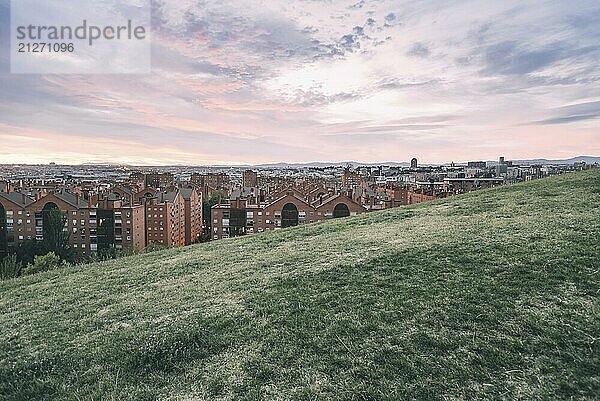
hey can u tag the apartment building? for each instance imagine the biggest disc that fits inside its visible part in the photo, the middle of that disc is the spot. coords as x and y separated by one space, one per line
105 221
152 180
240 218
351 178
165 219
210 182
120 224
249 178
108 224
192 199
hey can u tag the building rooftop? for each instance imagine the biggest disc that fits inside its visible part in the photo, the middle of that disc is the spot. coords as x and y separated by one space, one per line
17 198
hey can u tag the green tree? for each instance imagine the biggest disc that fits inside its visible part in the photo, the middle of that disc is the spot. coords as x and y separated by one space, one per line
10 267
45 263
27 250
56 237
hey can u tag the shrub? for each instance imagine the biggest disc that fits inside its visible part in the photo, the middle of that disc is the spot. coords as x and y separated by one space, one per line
10 267
44 263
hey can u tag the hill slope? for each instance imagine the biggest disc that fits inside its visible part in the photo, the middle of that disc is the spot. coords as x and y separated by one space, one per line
489 295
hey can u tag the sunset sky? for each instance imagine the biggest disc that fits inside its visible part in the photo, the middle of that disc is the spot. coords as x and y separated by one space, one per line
249 82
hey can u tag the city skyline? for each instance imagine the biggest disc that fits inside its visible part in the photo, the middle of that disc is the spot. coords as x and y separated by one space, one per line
252 83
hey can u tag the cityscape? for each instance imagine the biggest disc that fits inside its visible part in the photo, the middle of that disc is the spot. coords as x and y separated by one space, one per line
110 209
299 200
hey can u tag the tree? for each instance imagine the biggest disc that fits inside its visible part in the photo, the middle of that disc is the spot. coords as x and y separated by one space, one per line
56 237
10 267
45 263
27 250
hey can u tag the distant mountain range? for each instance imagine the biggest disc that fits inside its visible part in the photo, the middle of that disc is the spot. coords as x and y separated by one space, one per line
354 164
325 164
578 159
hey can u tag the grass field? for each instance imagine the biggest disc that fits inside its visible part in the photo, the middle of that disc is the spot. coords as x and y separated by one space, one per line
490 295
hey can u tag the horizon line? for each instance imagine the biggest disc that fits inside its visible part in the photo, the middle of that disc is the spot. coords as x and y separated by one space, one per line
266 164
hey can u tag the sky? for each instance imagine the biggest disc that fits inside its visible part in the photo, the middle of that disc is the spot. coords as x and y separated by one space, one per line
264 81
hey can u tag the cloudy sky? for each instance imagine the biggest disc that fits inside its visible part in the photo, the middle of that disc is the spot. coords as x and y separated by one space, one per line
262 81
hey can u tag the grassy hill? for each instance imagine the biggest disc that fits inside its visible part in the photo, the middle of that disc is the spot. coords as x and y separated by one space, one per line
490 295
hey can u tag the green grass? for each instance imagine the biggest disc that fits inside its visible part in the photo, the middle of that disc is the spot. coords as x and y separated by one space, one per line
490 295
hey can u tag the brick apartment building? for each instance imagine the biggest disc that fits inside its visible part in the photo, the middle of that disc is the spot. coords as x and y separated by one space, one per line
249 179
153 179
192 203
114 220
210 182
289 210
165 220
110 224
121 224
173 218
